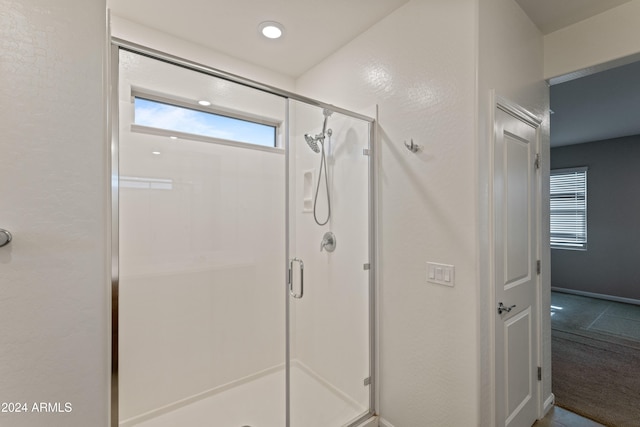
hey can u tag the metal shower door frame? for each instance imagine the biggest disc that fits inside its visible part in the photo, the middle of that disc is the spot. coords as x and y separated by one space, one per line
113 126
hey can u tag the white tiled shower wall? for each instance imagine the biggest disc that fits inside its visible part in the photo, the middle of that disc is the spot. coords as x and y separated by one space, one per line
202 257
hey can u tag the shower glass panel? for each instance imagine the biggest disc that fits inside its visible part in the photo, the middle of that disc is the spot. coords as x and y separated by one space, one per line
201 253
242 281
329 301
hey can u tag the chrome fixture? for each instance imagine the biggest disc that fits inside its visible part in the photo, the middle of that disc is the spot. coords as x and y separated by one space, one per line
328 242
414 148
5 237
502 308
301 264
312 141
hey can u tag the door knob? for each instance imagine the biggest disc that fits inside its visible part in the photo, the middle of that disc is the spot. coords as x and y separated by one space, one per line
5 237
502 308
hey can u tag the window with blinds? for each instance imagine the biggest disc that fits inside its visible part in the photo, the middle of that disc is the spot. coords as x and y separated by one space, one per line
569 208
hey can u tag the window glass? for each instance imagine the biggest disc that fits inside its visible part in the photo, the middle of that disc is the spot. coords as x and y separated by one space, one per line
569 208
181 119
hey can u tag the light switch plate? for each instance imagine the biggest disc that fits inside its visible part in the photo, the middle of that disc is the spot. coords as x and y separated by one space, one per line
441 274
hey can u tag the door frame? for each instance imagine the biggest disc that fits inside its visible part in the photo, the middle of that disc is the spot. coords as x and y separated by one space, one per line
500 103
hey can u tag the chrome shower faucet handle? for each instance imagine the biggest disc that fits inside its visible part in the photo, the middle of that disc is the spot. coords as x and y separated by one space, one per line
5 237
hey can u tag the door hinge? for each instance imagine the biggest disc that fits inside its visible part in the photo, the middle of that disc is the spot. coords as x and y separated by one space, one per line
365 151
539 373
366 266
537 161
538 267
367 381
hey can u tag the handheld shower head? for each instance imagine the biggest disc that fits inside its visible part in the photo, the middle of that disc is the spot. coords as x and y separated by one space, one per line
326 112
312 142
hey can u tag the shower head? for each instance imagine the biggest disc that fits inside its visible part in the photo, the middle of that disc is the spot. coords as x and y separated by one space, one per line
312 142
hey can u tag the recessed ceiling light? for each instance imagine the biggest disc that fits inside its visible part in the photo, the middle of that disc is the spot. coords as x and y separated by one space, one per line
157 153
204 103
173 137
271 29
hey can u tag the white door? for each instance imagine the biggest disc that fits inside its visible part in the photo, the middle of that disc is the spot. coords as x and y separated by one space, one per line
515 245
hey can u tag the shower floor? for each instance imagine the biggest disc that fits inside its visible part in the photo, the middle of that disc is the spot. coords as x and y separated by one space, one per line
261 403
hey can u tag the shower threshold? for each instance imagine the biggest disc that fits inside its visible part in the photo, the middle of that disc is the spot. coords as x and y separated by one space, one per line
261 403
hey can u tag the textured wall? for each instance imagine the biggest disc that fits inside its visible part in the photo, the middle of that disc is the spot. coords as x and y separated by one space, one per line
418 65
434 205
609 266
53 197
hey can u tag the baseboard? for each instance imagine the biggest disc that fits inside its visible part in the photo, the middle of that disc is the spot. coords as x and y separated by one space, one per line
595 295
548 404
384 423
371 422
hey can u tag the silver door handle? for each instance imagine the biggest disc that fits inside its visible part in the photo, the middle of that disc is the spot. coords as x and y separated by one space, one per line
293 294
502 308
5 237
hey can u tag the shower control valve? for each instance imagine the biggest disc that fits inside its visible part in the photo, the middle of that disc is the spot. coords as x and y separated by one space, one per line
328 242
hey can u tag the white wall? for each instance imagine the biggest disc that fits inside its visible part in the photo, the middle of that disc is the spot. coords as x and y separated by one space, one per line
418 65
434 342
609 36
54 287
426 91
510 62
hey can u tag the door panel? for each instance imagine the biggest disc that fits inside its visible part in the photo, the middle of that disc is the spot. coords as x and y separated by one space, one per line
518 342
515 281
329 305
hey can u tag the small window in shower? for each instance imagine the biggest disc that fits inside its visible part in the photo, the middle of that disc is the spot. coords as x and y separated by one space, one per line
170 117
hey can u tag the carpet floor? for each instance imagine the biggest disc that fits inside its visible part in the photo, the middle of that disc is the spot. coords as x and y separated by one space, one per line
596 373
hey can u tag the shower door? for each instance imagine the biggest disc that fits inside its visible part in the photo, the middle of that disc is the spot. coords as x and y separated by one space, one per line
242 252
329 253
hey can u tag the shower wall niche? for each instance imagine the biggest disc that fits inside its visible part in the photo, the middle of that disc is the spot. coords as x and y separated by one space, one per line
207 223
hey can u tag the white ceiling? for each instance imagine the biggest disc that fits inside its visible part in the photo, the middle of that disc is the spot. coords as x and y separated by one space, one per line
552 15
314 29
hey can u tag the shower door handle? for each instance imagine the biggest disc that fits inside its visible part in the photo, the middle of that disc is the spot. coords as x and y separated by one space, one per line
301 264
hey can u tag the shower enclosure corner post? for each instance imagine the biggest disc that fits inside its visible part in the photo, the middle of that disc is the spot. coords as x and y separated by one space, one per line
114 123
287 357
373 260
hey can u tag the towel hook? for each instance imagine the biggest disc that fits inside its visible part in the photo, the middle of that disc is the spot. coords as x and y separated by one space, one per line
412 147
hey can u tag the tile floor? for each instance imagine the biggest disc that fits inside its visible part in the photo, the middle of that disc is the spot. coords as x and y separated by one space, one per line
558 417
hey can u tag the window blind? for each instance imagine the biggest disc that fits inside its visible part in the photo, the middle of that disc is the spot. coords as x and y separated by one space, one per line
569 208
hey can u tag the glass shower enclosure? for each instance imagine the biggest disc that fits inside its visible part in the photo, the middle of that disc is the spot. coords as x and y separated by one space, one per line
242 251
